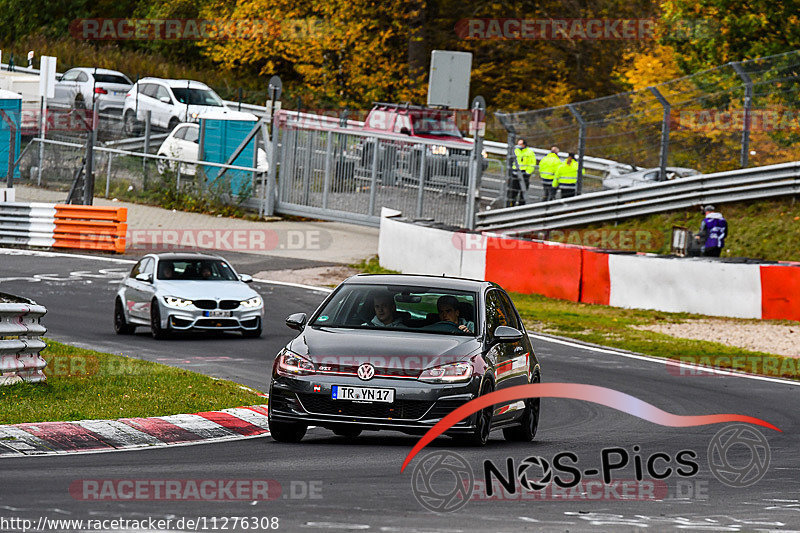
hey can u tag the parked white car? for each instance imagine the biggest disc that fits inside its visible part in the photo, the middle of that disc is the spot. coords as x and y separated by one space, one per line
79 88
183 143
170 102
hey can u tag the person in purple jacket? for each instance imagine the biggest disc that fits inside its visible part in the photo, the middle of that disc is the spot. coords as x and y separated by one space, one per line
713 231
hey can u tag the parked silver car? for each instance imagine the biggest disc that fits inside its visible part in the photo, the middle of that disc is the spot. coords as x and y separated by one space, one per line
181 291
646 176
78 88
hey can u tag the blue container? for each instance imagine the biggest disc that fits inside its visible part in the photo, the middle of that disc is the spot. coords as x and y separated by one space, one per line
223 135
11 104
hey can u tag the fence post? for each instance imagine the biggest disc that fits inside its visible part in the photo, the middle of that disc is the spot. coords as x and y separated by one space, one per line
422 167
476 161
12 148
664 133
581 144
748 99
88 177
327 176
147 125
373 179
108 173
42 125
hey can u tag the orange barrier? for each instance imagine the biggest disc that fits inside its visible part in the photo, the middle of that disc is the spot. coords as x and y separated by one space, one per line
90 228
780 287
595 278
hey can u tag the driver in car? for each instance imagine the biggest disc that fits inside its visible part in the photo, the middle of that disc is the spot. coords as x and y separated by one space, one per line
448 312
385 312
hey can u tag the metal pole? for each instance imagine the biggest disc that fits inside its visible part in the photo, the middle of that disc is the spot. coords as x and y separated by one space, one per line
272 179
664 152
147 125
581 145
200 175
748 100
327 177
476 161
421 191
108 174
88 180
42 124
12 148
373 181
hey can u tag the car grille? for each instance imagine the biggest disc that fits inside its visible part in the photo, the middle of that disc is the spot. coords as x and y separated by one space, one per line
205 304
229 304
442 408
400 409
216 323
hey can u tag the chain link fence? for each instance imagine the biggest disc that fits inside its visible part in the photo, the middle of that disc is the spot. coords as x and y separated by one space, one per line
733 116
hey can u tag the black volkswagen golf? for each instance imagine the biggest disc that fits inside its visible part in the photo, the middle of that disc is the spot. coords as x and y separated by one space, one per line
400 352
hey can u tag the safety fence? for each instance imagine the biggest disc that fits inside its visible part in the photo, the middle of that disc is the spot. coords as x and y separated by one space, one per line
595 276
64 226
732 186
20 342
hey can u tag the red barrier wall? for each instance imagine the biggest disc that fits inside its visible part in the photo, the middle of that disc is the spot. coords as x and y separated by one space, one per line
780 292
534 268
595 279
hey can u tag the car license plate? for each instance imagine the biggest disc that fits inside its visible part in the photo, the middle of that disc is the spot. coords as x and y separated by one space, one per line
216 313
362 394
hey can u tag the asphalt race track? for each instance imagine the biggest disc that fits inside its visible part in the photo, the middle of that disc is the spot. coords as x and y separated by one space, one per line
338 484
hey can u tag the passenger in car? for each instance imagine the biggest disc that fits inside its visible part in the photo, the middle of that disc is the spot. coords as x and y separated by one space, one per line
385 312
449 312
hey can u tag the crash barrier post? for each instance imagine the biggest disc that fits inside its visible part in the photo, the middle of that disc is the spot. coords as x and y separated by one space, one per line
64 226
20 340
594 276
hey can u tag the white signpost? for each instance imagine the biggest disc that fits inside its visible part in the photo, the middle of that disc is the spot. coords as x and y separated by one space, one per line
47 89
448 83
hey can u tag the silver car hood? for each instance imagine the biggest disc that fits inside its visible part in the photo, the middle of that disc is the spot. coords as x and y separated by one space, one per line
205 290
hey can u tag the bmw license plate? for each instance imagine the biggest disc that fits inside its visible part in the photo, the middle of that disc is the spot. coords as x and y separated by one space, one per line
216 313
362 394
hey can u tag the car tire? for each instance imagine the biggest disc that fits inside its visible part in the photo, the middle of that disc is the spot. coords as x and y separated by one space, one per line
121 326
287 431
173 123
349 432
529 422
130 124
252 333
79 102
483 427
155 322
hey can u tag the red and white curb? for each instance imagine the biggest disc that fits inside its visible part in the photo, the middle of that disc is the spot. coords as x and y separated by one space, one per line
92 436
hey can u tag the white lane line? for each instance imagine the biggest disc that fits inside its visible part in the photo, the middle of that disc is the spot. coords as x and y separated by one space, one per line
663 361
40 253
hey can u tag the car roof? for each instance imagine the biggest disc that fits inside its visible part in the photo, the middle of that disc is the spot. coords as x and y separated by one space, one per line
437 282
185 255
92 70
175 83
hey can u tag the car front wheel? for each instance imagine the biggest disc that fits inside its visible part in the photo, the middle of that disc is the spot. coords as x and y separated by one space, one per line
529 422
121 325
155 322
479 435
287 431
130 124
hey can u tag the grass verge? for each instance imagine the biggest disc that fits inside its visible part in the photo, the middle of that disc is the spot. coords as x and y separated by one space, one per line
85 384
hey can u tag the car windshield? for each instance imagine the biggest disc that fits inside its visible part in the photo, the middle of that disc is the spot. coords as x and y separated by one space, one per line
195 270
196 96
405 308
111 78
436 124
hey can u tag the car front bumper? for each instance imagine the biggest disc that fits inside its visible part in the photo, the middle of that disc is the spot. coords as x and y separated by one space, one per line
180 319
416 408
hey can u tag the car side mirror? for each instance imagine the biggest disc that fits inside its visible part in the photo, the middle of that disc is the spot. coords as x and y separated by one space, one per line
165 99
507 334
147 278
247 278
296 321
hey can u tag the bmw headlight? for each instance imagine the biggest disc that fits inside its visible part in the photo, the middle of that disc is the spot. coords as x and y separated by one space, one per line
450 373
255 301
174 301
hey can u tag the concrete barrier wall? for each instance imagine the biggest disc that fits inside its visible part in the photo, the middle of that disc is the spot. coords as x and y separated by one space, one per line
582 274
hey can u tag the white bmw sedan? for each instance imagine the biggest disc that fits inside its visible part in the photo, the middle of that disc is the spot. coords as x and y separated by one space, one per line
173 292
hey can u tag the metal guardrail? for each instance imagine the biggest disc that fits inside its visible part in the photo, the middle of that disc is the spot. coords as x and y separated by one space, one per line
732 186
20 342
134 144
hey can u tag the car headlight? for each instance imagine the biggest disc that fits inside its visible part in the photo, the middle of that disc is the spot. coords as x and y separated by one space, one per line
449 373
195 114
255 301
174 301
291 364
438 150
484 154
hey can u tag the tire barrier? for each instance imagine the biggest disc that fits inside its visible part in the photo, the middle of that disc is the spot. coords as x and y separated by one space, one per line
20 342
590 275
64 226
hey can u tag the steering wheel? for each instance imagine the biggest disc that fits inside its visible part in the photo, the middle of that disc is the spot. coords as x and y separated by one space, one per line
443 325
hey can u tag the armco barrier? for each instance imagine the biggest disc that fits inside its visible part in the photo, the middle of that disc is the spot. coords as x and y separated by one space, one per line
589 275
20 342
64 226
